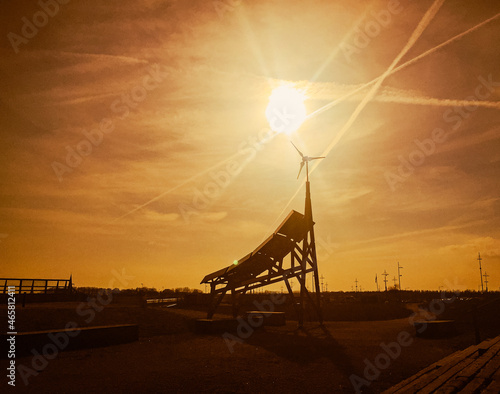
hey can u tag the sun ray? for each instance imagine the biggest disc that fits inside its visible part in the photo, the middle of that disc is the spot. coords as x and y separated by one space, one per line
425 21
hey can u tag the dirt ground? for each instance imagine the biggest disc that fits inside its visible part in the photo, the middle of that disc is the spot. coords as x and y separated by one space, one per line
170 357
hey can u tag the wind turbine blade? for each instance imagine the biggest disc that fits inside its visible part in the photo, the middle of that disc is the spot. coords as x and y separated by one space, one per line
301 165
300 153
317 157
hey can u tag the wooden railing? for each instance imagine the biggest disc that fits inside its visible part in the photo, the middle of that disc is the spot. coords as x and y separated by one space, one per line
36 286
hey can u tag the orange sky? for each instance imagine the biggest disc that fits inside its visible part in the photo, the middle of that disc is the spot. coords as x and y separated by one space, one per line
165 103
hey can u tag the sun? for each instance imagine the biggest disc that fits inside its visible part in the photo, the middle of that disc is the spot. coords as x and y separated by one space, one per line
286 110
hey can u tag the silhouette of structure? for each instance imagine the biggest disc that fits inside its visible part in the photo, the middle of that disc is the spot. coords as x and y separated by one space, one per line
480 271
306 160
38 286
399 275
385 274
267 264
486 280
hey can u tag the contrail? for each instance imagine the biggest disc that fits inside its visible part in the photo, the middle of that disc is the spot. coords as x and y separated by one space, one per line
327 91
326 107
402 66
429 15
176 187
439 102
187 181
337 49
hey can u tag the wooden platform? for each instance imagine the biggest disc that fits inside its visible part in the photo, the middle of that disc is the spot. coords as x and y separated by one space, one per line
472 370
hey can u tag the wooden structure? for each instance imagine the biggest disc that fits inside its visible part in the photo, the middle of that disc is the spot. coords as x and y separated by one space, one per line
37 286
473 370
267 264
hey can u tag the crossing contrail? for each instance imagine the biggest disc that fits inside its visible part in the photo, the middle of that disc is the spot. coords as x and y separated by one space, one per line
402 66
421 100
426 20
330 91
429 15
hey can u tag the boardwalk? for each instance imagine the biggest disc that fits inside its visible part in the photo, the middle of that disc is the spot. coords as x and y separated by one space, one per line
473 370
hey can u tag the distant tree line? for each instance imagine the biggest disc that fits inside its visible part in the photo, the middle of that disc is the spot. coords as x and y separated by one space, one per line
149 292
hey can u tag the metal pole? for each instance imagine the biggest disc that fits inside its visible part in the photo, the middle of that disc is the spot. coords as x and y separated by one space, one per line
399 276
486 280
480 271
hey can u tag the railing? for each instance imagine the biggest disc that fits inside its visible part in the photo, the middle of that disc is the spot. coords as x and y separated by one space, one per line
36 286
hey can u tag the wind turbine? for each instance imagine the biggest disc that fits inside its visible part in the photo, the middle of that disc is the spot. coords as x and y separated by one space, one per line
306 160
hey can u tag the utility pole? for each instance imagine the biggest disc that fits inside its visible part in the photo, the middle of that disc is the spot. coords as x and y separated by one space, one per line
399 275
385 279
322 282
480 271
356 281
486 280
394 280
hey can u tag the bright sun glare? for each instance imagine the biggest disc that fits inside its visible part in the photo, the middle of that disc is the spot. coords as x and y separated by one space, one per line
286 110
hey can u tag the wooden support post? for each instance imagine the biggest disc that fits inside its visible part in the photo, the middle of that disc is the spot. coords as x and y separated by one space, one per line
290 292
214 306
235 303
